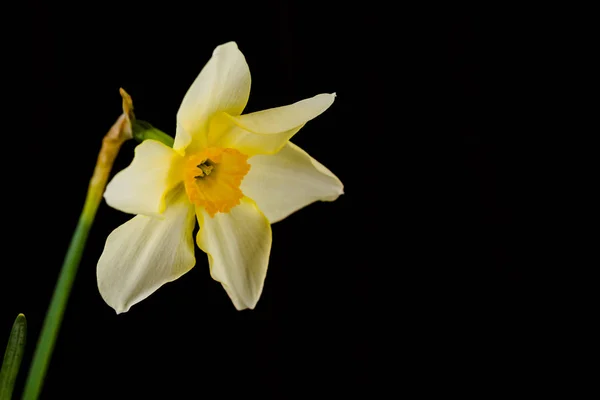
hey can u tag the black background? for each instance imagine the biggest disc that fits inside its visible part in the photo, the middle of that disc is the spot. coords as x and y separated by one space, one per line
416 277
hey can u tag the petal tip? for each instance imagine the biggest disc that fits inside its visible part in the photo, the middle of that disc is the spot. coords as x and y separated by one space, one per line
242 307
225 46
329 99
119 308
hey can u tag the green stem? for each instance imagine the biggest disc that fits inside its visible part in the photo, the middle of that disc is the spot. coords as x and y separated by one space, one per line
110 147
56 311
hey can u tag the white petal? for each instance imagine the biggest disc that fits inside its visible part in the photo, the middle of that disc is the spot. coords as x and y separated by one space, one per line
142 186
145 253
238 244
222 86
267 131
287 181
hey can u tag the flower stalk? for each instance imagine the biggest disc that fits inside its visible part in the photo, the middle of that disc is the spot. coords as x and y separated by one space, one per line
120 132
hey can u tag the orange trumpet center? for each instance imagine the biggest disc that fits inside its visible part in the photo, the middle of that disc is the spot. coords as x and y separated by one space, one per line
213 176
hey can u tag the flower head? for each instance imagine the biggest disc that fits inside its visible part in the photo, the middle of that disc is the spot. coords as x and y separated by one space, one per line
236 174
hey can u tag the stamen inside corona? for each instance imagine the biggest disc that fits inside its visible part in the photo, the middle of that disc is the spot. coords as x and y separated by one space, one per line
206 167
212 178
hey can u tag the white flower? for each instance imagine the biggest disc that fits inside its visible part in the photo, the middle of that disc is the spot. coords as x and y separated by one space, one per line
236 174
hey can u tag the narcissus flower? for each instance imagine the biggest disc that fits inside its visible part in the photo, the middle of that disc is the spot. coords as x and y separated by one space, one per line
236 174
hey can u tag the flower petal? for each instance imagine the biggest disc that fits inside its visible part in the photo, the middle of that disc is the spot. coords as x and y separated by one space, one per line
145 253
142 186
182 139
222 86
238 244
287 181
267 131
